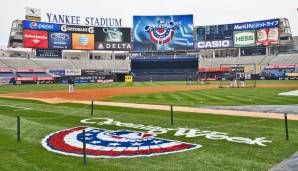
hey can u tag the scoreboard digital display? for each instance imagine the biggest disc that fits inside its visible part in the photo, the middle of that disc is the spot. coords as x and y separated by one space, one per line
215 32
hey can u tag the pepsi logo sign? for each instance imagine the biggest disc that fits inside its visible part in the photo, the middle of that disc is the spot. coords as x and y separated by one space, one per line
102 143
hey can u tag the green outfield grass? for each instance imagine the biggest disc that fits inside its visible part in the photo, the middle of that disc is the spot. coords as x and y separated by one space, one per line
214 97
214 155
49 87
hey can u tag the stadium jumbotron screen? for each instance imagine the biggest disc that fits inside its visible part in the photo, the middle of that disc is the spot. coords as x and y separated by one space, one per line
163 33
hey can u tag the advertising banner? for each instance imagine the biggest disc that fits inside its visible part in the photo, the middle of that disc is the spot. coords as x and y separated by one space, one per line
112 34
33 14
112 38
163 32
213 44
35 39
35 78
257 25
268 36
33 25
245 38
113 46
57 72
253 51
92 72
82 41
5 70
236 69
286 66
73 72
30 70
224 69
59 40
51 53
77 29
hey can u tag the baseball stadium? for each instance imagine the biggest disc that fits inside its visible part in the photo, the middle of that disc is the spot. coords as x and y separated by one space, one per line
164 93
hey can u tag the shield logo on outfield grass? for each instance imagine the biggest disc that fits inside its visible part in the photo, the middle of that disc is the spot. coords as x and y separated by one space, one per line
102 143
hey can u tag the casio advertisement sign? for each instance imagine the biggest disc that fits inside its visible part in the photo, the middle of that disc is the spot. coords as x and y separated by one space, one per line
77 29
214 44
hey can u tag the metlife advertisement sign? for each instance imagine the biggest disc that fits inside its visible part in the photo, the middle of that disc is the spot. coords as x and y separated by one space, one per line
214 44
257 25
33 25
245 38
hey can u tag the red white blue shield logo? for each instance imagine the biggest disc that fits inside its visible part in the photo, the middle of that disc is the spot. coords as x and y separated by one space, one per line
102 143
163 32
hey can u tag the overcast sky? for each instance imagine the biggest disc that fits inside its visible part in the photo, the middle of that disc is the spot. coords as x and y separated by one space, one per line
206 12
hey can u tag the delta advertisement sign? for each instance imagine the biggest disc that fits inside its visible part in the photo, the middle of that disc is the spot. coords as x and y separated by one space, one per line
163 32
113 38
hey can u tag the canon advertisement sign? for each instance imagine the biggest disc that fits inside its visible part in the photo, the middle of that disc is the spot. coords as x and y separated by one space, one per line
214 44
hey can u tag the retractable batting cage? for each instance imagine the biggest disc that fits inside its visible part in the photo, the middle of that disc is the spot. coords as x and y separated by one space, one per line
192 79
238 76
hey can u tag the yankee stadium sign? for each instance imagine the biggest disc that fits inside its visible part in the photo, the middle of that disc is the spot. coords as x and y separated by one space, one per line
88 21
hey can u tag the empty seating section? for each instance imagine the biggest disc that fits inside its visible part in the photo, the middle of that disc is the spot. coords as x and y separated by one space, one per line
18 63
258 60
2 65
54 63
111 65
285 59
124 65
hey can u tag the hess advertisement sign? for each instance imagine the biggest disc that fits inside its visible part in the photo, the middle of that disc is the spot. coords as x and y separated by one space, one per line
35 39
82 41
245 38
268 36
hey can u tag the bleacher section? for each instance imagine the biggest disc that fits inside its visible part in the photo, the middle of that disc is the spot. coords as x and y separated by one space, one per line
53 63
111 65
15 63
258 60
2 65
